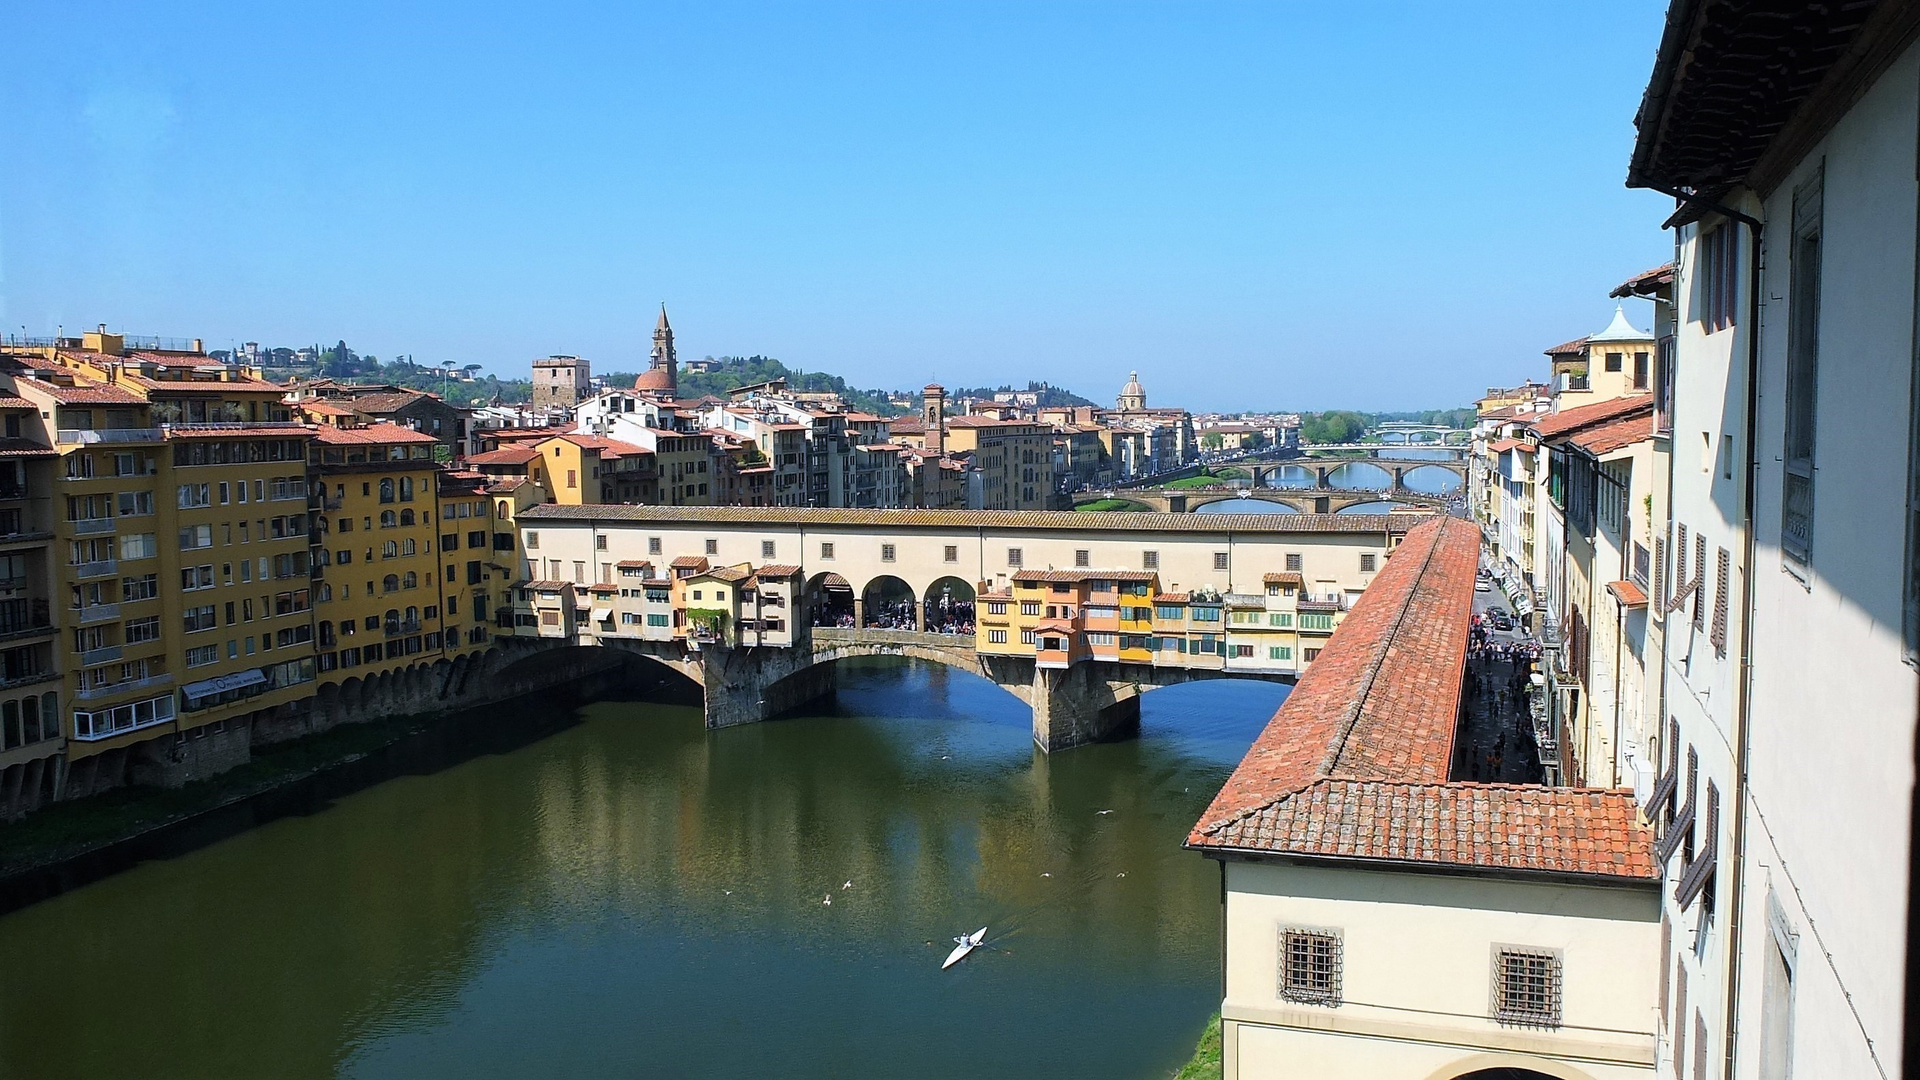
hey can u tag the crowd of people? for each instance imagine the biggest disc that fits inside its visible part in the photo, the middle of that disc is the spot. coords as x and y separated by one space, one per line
1500 746
943 616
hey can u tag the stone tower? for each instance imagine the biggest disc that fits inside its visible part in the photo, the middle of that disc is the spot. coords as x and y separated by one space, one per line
663 373
933 412
1133 396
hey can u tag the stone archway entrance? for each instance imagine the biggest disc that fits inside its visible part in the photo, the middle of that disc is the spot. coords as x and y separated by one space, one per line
829 601
947 607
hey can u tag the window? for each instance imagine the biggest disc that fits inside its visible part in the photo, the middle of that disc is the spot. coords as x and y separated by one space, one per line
1219 560
886 552
199 618
145 587
950 553
1717 283
196 577
1311 655
141 545
1293 562
1722 574
713 547
1280 618
1029 607
139 630
766 549
1026 637
1367 563
826 550
1279 652
386 489
1640 370
1310 966
1802 377
203 655
1082 557
1013 556
996 637
1150 560
533 540
1526 986
1614 361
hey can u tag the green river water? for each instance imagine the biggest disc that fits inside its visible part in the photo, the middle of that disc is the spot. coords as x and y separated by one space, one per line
634 896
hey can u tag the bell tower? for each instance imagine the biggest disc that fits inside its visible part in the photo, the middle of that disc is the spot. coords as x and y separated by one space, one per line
933 412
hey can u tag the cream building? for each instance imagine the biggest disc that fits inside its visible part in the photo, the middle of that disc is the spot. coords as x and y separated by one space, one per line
1386 920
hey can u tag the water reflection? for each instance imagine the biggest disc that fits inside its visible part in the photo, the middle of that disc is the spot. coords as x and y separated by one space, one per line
638 896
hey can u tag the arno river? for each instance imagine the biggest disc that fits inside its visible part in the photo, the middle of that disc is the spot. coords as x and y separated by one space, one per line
634 896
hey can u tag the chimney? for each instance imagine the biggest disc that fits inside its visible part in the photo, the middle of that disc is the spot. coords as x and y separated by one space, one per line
196 345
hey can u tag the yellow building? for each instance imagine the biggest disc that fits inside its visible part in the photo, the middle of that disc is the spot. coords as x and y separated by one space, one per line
382 592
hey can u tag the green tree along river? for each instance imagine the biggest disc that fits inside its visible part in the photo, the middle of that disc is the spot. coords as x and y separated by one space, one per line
634 896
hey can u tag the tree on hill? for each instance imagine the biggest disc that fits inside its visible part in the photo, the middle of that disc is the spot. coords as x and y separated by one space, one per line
1338 426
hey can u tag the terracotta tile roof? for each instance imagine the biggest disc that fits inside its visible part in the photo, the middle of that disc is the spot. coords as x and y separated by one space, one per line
322 408
1574 831
549 586
696 562
1629 594
8 401
777 570
506 455
1025 520
634 564
1501 446
1646 282
1170 597
1569 348
372 434
1355 764
85 393
1287 578
1615 435
724 573
1568 420
511 484
603 588
375 404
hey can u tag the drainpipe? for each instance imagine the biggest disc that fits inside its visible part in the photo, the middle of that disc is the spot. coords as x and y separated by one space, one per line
1743 684
1619 642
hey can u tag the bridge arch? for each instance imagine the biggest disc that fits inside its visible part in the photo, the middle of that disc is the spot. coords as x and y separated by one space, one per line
888 602
947 606
665 669
1508 1067
828 600
1452 478
1302 502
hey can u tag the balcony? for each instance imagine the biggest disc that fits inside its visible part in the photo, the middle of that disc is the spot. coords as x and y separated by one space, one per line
106 654
100 568
97 613
401 629
127 687
26 678
90 526
81 436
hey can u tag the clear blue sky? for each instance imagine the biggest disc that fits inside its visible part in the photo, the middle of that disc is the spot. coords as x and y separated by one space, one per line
1367 205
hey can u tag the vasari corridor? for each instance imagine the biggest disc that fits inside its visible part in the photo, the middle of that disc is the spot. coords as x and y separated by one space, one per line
1124 541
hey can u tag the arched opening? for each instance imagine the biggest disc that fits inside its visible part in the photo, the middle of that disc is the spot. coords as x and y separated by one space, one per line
1431 480
1289 477
1360 476
829 601
948 606
887 603
1506 1074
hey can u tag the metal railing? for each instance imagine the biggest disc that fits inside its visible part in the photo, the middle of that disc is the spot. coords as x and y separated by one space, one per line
91 526
126 687
94 613
72 436
106 654
401 629
99 568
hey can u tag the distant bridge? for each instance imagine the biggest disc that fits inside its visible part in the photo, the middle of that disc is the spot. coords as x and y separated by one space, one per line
1090 701
1305 501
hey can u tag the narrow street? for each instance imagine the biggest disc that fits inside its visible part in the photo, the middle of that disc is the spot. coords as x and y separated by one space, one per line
1495 742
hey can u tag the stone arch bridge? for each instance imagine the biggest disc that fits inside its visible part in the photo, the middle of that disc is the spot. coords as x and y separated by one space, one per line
1186 500
1088 702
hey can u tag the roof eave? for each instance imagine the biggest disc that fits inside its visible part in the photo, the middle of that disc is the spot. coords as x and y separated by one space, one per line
1517 874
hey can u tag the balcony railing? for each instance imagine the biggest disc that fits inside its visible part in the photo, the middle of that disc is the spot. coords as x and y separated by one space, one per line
72 436
127 687
94 613
99 568
106 654
26 678
90 526
400 629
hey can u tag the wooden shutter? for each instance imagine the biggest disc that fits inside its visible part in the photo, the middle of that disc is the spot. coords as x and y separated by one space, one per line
1722 579
1699 583
1658 605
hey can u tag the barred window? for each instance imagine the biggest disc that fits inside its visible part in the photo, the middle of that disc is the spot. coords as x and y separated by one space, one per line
1310 966
1366 563
826 550
951 553
1013 556
1219 560
1293 562
1149 560
1526 986
1082 557
886 552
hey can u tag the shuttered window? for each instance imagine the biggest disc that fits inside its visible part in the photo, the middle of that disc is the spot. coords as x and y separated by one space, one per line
1699 589
1802 375
1722 582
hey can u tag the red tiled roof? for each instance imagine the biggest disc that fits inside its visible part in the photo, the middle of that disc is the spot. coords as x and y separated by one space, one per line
1629 594
1645 282
631 564
322 408
1356 763
1616 435
24 448
8 401
724 573
85 393
1575 831
697 562
778 570
1501 446
1573 419
1170 598
372 434
550 586
506 455
1286 578
1569 348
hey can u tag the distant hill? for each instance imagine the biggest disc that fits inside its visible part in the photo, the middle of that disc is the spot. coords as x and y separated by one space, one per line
1050 397
732 372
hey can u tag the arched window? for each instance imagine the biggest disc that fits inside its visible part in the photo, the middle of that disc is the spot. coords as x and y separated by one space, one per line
390 583
406 517
325 594
393 620
406 489
386 489
410 581
407 546
387 520
389 549
506 509
413 614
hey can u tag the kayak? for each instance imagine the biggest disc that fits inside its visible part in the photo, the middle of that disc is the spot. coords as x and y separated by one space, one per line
967 943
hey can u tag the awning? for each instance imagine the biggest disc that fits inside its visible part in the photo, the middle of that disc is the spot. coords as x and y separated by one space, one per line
223 683
603 613
1629 594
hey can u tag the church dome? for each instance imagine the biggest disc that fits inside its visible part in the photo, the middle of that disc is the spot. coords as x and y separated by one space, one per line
654 378
1133 395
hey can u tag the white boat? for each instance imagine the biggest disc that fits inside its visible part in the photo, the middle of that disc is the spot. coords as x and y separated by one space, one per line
967 943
